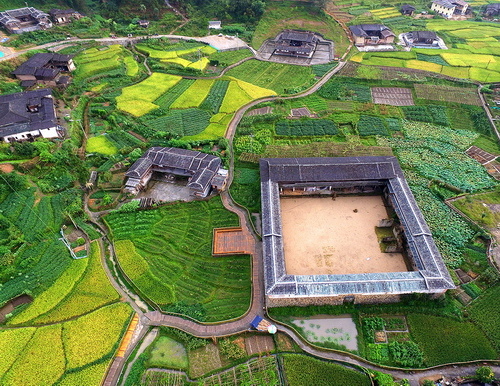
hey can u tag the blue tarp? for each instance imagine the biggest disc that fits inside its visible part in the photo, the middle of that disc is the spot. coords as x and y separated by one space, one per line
255 322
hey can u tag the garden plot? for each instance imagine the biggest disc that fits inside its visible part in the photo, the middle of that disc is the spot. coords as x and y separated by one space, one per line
340 330
461 95
394 96
260 111
481 156
204 360
258 344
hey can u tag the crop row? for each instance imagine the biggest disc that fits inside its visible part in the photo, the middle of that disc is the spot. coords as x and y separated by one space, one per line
168 256
308 127
65 346
181 122
169 97
214 99
123 139
428 113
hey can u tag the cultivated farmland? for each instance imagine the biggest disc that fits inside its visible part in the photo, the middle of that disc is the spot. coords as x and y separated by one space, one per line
281 78
137 99
83 346
167 255
476 58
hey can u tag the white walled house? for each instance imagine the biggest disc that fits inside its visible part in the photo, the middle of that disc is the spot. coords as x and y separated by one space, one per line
27 115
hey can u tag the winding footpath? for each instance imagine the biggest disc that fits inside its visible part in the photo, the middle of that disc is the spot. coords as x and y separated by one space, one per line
148 317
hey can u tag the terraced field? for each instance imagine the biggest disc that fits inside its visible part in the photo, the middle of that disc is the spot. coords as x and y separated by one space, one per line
166 253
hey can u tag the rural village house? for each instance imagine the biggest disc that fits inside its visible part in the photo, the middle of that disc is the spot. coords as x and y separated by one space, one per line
421 39
407 10
46 69
27 115
17 21
63 16
204 171
492 10
448 8
214 24
371 34
296 43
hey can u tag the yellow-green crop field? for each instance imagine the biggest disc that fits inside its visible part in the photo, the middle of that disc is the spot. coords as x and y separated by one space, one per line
78 349
137 99
176 57
385 13
194 95
476 59
102 145
93 61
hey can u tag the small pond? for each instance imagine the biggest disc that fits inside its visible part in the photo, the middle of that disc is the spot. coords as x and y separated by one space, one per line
326 328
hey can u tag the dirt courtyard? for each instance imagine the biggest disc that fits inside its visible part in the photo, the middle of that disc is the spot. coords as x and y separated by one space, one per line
325 236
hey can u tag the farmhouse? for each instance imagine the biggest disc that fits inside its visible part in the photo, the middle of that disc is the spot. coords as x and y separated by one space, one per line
407 10
449 8
17 21
204 171
296 43
27 115
492 10
214 24
143 23
64 16
421 39
44 68
323 268
371 34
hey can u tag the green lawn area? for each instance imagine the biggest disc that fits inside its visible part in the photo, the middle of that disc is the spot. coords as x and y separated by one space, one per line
167 353
167 253
281 78
102 145
298 15
444 340
303 370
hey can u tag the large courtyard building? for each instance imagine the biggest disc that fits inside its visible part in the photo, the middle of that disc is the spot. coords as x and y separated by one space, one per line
341 230
27 19
203 171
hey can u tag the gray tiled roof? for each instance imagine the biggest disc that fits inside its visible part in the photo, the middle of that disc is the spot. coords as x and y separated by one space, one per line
201 167
431 276
14 115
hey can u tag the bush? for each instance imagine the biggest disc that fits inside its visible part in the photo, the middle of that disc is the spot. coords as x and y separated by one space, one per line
231 350
406 354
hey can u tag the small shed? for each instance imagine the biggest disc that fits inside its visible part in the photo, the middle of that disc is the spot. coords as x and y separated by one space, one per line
143 23
407 9
261 324
215 24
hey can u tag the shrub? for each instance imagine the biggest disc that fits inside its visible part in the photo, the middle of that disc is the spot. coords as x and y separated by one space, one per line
230 349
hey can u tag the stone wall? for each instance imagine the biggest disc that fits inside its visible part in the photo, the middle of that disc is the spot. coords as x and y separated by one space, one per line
332 300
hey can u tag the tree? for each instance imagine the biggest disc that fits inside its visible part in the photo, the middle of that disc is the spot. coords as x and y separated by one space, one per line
485 374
